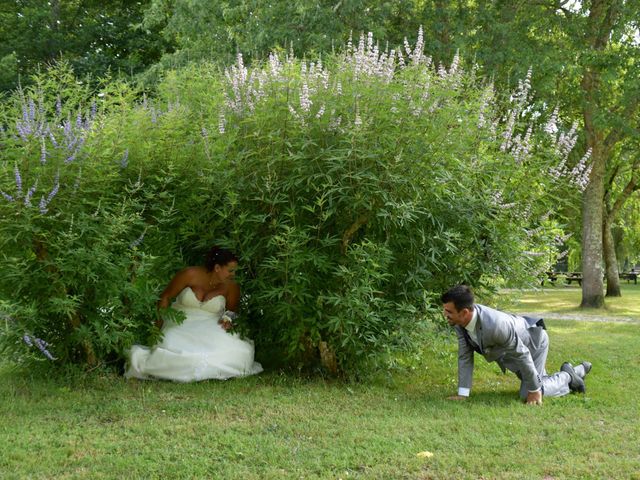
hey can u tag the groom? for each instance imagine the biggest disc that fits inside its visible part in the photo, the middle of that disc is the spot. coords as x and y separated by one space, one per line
518 344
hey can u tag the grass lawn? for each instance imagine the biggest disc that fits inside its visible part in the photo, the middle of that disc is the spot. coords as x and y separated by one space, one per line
275 426
282 426
566 300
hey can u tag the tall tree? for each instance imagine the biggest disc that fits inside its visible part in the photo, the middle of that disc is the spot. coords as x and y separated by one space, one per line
586 57
93 36
603 122
615 198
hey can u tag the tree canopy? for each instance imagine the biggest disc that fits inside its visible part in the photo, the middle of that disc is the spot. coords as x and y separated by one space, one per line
94 37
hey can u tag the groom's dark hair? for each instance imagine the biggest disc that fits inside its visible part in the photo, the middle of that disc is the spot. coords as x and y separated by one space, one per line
460 295
219 256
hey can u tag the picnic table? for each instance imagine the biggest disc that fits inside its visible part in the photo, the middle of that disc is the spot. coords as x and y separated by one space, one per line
551 276
630 276
573 277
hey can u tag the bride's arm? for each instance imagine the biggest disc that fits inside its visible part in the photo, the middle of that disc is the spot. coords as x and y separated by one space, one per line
179 282
232 302
233 297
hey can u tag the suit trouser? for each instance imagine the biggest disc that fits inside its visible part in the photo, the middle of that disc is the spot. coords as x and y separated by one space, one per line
555 385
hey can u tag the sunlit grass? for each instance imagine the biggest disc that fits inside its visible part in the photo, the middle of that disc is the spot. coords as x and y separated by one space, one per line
566 300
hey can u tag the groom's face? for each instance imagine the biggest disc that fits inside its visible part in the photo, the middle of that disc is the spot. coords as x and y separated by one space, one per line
456 317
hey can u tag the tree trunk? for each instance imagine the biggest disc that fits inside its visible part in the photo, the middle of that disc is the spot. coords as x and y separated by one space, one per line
442 19
52 43
592 210
611 261
55 14
603 14
593 200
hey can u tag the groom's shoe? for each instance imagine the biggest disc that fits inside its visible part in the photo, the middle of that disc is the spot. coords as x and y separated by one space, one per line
587 367
576 384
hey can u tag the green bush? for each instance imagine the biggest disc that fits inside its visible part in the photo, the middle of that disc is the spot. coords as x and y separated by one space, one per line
354 192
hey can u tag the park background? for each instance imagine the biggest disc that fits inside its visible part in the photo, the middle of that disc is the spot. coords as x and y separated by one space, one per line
361 157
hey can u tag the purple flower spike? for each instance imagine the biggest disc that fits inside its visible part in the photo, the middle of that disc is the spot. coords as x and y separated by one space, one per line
43 153
23 131
76 184
67 130
43 206
125 159
55 189
27 339
32 109
53 140
32 190
18 181
7 197
44 202
47 354
42 346
221 123
136 243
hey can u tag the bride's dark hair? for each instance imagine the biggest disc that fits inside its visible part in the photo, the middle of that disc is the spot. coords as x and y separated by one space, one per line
219 256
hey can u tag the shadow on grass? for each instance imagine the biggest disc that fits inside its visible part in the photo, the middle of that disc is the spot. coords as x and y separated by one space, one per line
494 398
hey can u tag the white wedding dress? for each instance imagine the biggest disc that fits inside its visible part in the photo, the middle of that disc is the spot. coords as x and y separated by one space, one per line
197 349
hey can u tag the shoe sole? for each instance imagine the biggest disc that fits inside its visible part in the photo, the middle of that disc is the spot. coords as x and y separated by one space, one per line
576 383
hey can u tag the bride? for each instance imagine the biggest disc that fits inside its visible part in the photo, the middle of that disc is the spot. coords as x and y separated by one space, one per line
200 347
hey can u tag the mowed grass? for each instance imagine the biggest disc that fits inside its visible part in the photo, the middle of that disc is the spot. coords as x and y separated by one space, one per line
276 426
566 299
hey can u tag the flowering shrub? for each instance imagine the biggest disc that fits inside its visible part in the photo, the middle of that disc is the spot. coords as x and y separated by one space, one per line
355 189
75 278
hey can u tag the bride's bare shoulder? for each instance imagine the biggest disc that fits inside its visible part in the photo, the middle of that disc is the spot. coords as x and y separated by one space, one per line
192 273
187 277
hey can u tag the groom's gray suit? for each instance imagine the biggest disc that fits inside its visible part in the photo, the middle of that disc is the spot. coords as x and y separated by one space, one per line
516 344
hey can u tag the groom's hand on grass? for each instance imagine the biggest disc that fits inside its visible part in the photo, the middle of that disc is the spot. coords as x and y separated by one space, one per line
534 398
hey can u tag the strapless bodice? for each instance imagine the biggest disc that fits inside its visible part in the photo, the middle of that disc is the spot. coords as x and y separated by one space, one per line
187 298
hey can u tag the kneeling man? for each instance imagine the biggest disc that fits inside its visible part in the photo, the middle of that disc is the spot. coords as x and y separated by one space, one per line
515 343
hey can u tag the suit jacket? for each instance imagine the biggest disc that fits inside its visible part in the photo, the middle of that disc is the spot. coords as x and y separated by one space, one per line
503 338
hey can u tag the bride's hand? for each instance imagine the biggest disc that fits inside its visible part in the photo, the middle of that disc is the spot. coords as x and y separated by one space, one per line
226 321
225 324
158 322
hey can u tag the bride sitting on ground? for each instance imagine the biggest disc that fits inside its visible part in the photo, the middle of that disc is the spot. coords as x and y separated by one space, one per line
200 347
